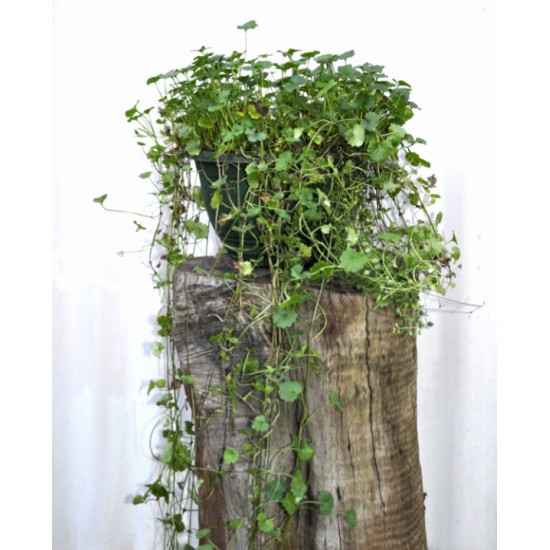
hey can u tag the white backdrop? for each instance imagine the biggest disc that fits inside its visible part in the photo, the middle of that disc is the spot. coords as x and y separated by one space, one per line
104 304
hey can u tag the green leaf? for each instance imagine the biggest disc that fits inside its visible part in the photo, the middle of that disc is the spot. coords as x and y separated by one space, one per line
167 455
389 236
397 133
326 503
100 200
193 147
253 112
236 524
260 424
245 268
283 161
355 136
335 400
145 175
346 55
289 391
370 121
284 317
206 546
216 199
326 87
352 260
156 384
265 524
138 499
157 348
305 452
249 25
275 491
321 270
296 271
289 504
130 113
201 533
326 58
188 379
351 236
230 456
380 150
297 486
198 229
351 517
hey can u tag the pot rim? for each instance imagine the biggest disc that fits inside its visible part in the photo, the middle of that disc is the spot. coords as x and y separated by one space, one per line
233 158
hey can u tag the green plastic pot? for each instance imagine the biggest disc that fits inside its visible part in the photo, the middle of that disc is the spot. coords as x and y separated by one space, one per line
226 174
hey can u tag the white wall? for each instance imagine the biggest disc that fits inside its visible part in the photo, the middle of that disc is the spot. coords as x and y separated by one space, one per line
104 304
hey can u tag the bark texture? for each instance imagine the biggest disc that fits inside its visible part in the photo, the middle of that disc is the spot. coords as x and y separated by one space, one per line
366 455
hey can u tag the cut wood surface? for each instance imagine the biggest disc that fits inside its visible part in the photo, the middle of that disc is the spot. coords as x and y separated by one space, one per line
366 454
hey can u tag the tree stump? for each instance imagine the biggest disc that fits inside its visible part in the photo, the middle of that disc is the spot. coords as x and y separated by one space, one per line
366 451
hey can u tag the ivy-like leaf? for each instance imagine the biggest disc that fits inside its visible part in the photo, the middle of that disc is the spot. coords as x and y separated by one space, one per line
260 424
351 236
326 503
157 348
289 391
156 384
380 150
346 55
216 199
397 133
297 271
198 229
193 147
283 161
297 486
351 517
389 236
230 456
245 268
352 260
249 25
100 200
265 524
305 452
275 491
188 379
370 121
289 504
321 270
201 533
355 136
236 524
335 400
284 317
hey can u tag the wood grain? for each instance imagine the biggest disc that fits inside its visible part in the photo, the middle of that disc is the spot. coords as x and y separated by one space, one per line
366 456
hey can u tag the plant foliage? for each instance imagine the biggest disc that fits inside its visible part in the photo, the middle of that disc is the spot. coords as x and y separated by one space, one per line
335 192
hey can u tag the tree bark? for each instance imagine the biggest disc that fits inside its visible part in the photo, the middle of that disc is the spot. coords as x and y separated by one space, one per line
366 453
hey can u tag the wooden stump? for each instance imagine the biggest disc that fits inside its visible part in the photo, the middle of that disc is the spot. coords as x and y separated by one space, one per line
366 454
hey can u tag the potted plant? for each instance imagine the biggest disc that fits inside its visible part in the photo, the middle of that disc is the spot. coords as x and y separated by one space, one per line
307 173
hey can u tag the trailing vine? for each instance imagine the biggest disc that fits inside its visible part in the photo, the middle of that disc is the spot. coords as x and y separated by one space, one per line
305 168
